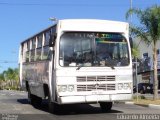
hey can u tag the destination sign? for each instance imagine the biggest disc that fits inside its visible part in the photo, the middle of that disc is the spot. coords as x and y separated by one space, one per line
109 37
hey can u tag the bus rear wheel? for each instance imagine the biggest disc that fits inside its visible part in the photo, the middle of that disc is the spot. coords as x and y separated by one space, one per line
106 106
30 97
34 100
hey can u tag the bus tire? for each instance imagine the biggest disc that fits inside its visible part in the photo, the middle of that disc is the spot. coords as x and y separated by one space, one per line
106 106
52 107
34 100
30 97
37 101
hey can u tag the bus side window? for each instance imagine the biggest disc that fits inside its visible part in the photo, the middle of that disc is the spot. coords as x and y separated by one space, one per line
38 54
27 56
46 45
27 51
45 53
47 38
39 47
32 57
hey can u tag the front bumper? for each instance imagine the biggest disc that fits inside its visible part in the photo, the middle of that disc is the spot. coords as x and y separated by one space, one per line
93 98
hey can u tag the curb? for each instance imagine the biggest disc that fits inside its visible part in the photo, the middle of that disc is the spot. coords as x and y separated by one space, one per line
150 105
154 106
129 103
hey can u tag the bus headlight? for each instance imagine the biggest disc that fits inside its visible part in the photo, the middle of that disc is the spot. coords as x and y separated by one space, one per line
62 88
126 85
70 88
120 86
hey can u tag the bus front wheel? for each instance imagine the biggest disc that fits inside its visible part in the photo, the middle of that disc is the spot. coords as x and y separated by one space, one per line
105 106
52 107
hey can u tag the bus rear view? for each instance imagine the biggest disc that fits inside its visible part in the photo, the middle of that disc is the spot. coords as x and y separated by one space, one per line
90 62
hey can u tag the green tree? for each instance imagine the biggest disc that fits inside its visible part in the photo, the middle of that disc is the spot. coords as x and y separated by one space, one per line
135 50
11 74
148 31
11 77
1 76
16 74
1 80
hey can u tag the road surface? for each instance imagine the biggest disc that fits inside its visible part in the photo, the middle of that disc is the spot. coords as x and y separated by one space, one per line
14 106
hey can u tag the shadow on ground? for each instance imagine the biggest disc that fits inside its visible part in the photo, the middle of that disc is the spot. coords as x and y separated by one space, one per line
71 109
23 101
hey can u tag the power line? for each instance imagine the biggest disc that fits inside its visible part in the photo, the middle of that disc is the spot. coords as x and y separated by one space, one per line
6 61
24 4
51 4
71 4
60 4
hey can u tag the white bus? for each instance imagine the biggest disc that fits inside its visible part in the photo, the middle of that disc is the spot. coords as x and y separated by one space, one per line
78 61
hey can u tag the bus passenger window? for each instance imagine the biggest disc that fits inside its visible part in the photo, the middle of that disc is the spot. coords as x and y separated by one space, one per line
38 54
47 38
33 43
39 44
32 55
26 50
27 56
39 48
28 45
45 53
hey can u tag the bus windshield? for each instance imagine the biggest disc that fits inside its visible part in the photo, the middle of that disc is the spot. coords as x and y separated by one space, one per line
93 49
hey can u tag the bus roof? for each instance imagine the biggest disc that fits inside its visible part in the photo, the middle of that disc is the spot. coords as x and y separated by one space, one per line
90 25
93 25
37 33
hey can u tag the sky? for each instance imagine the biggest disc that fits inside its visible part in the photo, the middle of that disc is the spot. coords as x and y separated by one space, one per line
20 19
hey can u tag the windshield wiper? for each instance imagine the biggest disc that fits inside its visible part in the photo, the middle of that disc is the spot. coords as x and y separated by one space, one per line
112 67
79 67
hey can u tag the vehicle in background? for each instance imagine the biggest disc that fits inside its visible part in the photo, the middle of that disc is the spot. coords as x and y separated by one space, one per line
143 88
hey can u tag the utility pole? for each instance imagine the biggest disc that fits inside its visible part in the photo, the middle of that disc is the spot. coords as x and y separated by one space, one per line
131 6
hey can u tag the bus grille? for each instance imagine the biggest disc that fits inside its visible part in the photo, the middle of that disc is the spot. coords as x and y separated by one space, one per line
95 78
94 87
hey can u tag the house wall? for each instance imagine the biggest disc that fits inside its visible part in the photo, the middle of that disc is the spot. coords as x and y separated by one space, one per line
146 75
144 48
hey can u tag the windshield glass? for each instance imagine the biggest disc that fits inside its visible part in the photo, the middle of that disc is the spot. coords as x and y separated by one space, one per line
93 49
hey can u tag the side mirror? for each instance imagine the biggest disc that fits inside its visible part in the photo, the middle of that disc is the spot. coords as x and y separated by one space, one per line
52 40
131 42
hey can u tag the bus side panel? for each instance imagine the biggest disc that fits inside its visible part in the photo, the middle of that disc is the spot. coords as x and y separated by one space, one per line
36 75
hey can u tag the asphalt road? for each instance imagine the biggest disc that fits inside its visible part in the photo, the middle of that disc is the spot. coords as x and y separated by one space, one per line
14 106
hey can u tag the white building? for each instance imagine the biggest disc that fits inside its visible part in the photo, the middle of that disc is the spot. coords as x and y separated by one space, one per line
145 66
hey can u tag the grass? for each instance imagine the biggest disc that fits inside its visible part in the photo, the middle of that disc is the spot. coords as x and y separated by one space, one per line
144 101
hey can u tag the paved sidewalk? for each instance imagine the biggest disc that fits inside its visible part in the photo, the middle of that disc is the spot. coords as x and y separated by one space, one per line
149 105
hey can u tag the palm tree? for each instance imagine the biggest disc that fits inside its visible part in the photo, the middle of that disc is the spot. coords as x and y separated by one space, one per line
16 74
9 74
1 76
135 51
148 31
12 77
